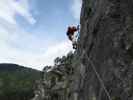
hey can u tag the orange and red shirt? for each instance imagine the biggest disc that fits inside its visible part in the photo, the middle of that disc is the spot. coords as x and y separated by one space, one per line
71 30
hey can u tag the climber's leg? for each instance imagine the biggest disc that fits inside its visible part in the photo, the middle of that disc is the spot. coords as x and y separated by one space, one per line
74 42
74 45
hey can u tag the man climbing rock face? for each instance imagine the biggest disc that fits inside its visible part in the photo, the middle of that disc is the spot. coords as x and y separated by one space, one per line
72 36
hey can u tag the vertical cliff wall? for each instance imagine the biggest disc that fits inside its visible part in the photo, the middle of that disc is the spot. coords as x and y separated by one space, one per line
107 39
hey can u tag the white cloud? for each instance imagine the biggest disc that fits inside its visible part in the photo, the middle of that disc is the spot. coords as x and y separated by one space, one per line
57 50
22 7
76 8
31 59
18 46
6 11
9 8
11 37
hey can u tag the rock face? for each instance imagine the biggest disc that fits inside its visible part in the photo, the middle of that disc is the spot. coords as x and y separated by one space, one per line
106 38
57 81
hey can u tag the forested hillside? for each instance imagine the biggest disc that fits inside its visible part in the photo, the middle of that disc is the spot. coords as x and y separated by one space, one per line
17 82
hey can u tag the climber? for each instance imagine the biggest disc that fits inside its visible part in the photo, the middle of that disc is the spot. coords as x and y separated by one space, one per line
71 33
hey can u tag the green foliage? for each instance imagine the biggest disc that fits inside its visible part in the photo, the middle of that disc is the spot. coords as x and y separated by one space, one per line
57 61
116 98
65 60
17 84
59 78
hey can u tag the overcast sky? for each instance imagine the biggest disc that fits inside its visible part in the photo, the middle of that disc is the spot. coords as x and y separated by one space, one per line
33 32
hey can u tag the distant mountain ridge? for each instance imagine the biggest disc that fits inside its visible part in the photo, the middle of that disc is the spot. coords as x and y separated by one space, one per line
13 67
17 82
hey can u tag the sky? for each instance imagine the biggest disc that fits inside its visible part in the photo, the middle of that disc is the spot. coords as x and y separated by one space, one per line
33 32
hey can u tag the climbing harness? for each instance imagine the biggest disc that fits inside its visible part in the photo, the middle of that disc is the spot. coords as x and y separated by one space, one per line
98 76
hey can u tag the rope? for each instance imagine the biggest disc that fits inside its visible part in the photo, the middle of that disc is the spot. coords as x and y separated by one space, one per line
98 76
94 69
